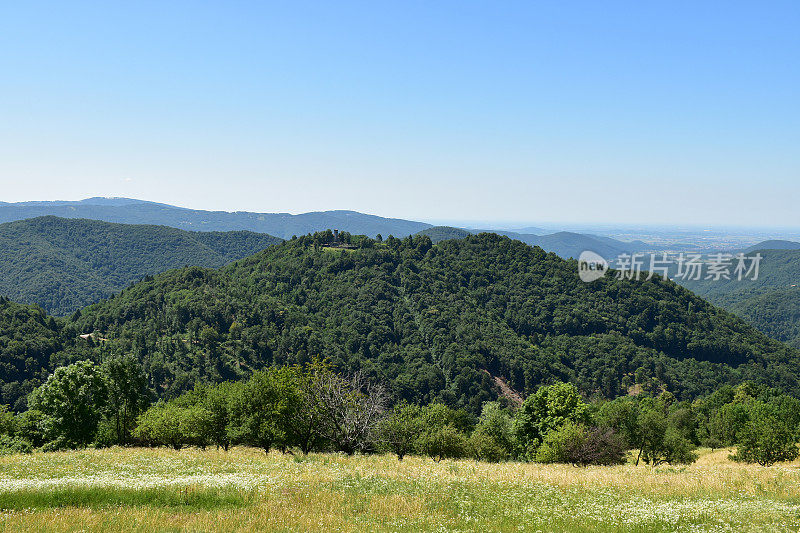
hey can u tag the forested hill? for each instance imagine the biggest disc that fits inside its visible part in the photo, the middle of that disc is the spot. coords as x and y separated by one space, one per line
435 322
771 303
65 264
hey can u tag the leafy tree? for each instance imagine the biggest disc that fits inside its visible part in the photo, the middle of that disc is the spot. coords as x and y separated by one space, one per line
496 422
622 415
482 446
444 443
766 437
401 429
663 437
549 408
259 410
73 399
127 395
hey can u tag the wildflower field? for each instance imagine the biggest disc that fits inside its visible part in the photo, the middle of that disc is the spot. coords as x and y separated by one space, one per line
137 489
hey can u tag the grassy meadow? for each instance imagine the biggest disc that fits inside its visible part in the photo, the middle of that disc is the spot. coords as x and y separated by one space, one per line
243 490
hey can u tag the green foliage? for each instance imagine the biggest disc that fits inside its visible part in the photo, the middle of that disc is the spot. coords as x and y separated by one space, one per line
482 446
664 436
444 443
126 395
65 264
430 322
559 441
73 399
771 303
401 429
168 424
549 408
496 422
767 437
259 411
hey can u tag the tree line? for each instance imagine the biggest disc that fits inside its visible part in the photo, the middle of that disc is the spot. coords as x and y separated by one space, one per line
312 408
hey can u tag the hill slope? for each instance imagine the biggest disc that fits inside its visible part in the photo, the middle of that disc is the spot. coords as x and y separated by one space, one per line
771 303
65 264
284 225
435 322
774 245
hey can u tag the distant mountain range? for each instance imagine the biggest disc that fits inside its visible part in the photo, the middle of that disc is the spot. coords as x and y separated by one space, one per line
563 243
66 264
284 225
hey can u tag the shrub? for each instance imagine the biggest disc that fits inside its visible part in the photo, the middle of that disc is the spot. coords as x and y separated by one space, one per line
547 409
482 446
602 446
444 443
558 443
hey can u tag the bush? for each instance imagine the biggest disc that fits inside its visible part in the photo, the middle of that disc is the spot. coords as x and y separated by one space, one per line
482 446
549 408
496 422
602 446
10 445
558 443
444 443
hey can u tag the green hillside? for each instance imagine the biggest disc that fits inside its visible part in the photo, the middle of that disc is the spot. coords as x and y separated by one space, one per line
774 245
65 264
771 303
434 322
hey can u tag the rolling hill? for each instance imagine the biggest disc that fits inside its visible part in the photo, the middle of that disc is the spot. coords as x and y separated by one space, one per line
284 225
771 303
436 322
66 264
774 245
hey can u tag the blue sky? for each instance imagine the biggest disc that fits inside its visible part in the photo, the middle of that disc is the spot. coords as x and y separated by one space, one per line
635 112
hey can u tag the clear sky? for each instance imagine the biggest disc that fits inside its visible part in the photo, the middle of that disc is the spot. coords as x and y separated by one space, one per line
652 112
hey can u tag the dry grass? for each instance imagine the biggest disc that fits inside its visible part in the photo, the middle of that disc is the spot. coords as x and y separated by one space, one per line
244 490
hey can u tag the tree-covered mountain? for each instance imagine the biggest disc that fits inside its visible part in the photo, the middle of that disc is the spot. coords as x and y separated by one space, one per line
447 322
65 264
771 303
434 321
284 225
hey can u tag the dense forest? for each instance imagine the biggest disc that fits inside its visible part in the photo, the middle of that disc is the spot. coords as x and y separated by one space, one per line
458 323
772 302
65 264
